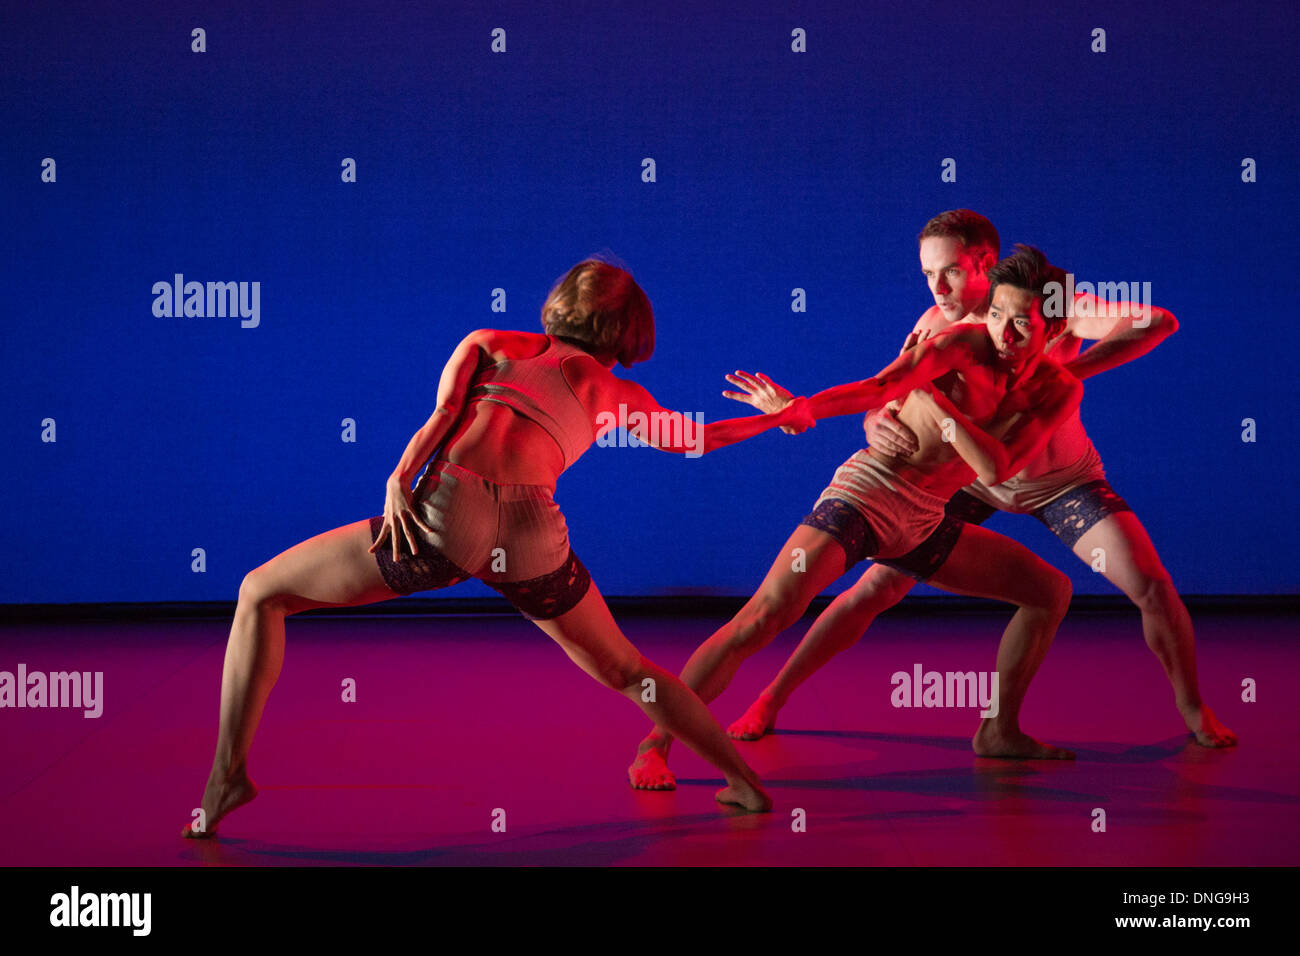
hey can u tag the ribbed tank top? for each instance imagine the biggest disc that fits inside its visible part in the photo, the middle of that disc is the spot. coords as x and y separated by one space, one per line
537 389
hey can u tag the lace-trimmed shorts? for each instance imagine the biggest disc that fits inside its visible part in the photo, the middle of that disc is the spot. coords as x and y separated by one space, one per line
1068 516
513 538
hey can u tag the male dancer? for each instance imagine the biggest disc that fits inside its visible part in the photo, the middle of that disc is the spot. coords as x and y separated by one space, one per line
1065 487
984 394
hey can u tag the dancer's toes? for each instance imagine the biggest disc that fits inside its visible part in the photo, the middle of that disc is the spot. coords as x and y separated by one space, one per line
755 722
649 771
1209 732
189 833
991 741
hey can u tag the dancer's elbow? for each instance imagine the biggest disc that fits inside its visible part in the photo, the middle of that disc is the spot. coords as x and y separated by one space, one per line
448 410
994 473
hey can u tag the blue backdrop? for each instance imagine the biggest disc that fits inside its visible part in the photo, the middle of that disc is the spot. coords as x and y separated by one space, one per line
479 170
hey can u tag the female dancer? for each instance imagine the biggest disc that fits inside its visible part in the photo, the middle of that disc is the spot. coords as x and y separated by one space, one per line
515 409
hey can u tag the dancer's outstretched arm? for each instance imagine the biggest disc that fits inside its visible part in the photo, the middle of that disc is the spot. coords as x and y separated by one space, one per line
1122 331
1011 442
677 432
919 366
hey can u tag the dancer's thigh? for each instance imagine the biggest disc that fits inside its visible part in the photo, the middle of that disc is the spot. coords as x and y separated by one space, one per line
333 569
986 564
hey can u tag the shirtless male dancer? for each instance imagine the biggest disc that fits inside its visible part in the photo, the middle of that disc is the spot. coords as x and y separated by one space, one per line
981 401
1065 487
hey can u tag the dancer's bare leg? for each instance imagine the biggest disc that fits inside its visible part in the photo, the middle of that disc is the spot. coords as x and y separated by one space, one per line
1134 567
780 601
836 629
987 564
591 638
334 569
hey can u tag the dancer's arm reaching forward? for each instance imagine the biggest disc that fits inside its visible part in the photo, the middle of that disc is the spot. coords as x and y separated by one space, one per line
1122 331
950 349
634 408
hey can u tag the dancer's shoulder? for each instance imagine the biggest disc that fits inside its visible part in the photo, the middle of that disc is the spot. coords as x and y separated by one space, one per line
969 342
1051 379
502 344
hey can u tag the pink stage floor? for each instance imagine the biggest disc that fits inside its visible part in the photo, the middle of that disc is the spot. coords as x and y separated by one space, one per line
459 716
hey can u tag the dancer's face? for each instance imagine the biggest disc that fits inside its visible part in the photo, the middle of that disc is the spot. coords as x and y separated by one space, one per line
1016 325
957 279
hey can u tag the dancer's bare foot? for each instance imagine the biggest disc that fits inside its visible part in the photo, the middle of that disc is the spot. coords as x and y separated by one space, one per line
649 771
222 795
992 741
1209 732
760 719
750 796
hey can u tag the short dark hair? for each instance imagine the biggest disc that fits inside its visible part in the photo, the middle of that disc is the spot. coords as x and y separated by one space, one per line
1027 268
600 307
968 227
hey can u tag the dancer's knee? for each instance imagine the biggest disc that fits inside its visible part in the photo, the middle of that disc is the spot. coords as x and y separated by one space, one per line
762 619
622 674
257 593
1154 593
1053 597
876 593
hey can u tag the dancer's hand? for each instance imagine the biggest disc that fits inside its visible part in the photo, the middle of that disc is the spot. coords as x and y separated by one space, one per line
886 432
763 393
914 339
398 513
797 416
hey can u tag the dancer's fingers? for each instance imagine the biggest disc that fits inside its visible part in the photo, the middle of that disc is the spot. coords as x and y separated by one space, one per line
379 539
406 530
777 389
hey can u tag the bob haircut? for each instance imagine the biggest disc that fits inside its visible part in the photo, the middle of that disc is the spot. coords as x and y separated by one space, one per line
599 306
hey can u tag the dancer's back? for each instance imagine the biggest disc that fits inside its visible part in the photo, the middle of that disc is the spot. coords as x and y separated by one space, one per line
524 420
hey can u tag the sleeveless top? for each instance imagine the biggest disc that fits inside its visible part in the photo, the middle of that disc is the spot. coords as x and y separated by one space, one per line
537 389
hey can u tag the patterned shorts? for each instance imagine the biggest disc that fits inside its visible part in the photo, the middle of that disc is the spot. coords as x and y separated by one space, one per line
1068 517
